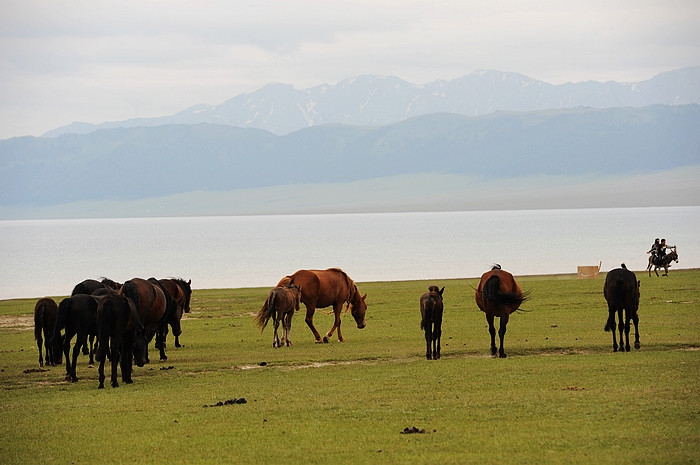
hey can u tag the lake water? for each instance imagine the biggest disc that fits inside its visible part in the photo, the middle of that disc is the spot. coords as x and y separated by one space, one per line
48 257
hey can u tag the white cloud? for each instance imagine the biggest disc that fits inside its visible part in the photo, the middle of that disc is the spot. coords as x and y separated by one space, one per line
62 61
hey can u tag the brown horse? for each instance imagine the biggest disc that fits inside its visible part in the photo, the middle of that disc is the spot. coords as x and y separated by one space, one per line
665 262
181 292
621 291
45 313
154 306
498 295
431 320
281 303
325 288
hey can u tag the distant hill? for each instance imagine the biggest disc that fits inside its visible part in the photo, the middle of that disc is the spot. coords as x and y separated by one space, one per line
379 101
127 164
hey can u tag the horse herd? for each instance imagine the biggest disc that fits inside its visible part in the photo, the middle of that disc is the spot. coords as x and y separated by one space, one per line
125 317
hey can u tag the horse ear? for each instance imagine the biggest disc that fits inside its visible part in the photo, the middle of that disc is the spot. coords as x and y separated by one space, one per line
189 282
364 296
442 290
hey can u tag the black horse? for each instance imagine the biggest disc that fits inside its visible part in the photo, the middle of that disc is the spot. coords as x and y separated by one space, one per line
78 316
431 321
120 334
94 287
45 313
621 291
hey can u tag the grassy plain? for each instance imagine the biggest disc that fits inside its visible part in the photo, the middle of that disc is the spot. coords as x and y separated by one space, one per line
561 396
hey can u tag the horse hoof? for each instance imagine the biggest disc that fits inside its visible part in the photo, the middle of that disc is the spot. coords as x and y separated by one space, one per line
502 355
101 386
637 345
325 339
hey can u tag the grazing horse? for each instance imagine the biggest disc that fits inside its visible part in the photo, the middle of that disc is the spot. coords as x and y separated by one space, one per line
181 292
78 315
281 303
664 263
154 306
325 288
45 313
621 291
431 320
498 295
119 333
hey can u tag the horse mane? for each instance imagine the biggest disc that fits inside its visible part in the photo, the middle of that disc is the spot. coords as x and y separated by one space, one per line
184 285
352 287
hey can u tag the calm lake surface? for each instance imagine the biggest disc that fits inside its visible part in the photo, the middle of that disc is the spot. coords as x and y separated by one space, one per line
48 257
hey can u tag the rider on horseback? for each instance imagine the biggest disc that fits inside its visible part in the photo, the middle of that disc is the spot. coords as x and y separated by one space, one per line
654 251
661 253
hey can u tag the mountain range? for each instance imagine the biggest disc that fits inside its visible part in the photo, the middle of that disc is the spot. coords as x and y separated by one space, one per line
374 144
382 100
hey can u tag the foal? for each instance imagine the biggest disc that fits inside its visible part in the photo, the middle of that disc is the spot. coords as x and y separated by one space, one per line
280 305
431 321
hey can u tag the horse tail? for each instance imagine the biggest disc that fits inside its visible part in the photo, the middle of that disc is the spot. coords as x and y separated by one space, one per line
616 296
129 289
492 293
38 319
62 320
268 308
428 312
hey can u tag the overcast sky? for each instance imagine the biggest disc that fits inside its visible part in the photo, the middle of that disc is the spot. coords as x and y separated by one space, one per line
98 60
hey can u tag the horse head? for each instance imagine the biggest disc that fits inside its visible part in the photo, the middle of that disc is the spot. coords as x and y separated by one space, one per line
358 308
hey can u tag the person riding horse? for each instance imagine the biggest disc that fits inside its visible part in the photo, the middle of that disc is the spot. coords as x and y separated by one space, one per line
661 251
654 250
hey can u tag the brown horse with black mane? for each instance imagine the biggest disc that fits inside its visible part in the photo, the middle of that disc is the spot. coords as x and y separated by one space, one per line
325 288
498 295
155 307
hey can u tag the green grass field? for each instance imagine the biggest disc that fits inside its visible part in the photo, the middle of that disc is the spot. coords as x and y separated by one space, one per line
561 396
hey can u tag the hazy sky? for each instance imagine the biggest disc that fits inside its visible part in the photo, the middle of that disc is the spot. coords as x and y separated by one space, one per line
98 60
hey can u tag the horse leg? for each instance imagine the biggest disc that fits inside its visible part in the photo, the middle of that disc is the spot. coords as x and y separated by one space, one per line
628 317
177 342
428 336
81 341
116 352
39 343
66 352
101 357
93 349
310 309
288 327
621 328
337 309
437 333
160 342
501 335
635 320
126 360
492 332
275 338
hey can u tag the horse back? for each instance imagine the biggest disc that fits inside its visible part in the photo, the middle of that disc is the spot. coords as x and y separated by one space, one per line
621 289
498 293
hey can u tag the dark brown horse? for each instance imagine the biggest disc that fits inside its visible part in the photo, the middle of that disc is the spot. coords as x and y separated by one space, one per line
45 313
665 262
78 316
154 306
621 291
498 295
325 288
280 305
89 286
121 335
431 321
181 292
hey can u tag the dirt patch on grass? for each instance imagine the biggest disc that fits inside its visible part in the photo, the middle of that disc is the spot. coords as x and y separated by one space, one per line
24 322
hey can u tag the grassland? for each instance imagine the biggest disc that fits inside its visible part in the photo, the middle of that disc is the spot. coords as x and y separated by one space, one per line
561 396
